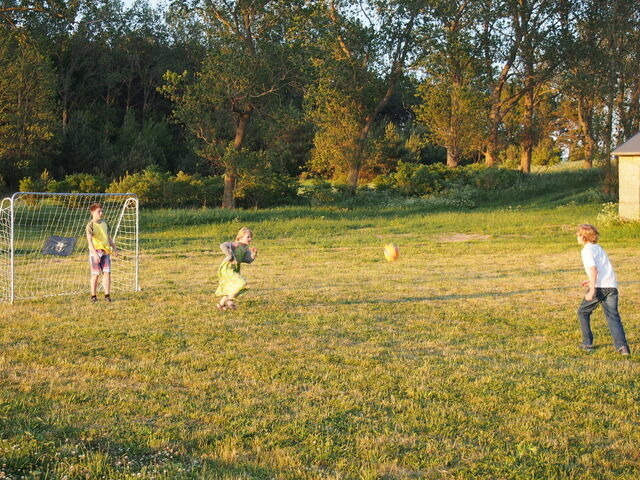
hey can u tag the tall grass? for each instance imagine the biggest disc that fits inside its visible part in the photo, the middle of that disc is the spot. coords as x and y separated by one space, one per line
459 361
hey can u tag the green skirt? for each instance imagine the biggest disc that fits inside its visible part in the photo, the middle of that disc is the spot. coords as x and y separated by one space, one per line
230 282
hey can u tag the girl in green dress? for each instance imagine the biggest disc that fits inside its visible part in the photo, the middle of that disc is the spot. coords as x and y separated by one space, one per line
230 283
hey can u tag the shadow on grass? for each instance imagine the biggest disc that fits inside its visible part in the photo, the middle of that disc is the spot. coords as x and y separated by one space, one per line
56 450
466 296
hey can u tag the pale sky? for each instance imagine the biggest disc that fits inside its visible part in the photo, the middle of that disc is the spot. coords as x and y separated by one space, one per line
153 3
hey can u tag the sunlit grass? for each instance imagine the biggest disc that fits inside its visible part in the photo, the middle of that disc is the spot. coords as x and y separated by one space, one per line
458 361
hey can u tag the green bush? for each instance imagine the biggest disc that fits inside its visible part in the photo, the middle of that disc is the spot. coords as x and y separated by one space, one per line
183 191
318 192
159 189
40 184
79 183
266 189
186 190
149 185
418 179
212 190
494 178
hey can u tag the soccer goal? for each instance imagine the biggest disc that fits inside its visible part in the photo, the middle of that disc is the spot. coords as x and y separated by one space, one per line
43 244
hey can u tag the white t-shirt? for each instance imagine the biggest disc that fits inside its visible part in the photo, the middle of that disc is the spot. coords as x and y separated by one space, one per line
593 255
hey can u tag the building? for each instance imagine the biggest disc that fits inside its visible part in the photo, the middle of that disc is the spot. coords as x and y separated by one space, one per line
629 178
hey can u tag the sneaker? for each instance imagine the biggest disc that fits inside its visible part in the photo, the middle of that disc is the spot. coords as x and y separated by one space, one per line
94 299
586 348
107 298
624 351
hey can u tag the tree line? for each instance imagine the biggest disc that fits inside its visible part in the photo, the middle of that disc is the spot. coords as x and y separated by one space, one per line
335 89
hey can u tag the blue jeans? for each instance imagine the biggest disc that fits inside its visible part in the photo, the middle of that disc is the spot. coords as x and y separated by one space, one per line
608 297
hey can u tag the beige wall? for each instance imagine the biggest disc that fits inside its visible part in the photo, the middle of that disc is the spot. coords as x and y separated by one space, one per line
629 176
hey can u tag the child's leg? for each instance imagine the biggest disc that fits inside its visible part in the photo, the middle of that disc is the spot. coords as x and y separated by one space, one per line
584 316
106 282
230 303
610 307
105 265
93 284
223 301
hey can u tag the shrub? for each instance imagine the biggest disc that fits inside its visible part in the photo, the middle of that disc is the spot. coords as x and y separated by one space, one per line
183 190
79 183
266 189
186 190
40 184
321 192
494 178
149 185
212 190
418 179
158 189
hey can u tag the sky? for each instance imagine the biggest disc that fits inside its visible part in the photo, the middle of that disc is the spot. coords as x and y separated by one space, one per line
153 3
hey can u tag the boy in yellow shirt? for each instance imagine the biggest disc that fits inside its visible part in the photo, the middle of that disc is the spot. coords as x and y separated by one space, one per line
101 246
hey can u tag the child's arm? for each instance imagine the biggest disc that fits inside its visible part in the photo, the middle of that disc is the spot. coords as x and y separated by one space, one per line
113 245
227 249
593 276
92 250
251 255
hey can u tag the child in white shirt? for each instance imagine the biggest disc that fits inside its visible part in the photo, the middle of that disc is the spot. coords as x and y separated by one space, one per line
602 289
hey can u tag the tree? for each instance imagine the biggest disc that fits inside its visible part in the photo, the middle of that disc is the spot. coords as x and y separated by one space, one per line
538 59
249 64
600 81
453 105
14 12
27 107
361 58
583 81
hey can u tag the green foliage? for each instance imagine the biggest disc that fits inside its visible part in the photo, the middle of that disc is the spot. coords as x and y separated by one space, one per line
337 118
160 189
79 183
477 185
266 189
322 192
149 185
545 153
453 114
261 182
27 107
186 190
418 179
37 184
139 146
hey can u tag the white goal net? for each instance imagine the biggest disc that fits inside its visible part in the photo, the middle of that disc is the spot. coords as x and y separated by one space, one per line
43 244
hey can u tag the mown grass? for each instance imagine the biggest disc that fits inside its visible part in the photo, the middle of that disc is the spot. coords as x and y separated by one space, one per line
459 361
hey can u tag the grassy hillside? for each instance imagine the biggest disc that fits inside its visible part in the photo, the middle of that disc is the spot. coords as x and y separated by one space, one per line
459 361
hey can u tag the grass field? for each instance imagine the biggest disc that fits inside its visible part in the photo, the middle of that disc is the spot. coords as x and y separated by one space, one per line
459 361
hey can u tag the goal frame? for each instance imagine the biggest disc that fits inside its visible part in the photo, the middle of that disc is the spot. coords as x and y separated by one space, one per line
8 241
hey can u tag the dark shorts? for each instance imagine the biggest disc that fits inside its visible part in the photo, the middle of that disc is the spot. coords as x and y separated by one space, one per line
101 266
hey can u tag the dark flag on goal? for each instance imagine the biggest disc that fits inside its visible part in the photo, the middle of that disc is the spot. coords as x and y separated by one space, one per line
62 246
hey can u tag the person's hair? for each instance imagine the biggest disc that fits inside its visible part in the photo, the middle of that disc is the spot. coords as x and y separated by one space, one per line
94 206
588 233
241 232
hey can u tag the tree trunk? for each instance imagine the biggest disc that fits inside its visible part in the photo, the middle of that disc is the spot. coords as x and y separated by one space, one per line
585 118
527 132
230 178
491 149
353 176
231 174
453 159
453 142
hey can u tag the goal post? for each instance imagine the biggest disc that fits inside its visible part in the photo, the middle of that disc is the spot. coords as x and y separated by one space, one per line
43 243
